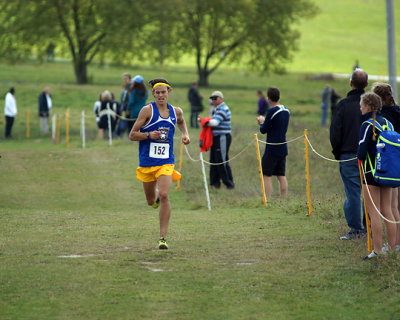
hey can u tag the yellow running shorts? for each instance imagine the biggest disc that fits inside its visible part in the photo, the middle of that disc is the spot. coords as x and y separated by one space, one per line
149 174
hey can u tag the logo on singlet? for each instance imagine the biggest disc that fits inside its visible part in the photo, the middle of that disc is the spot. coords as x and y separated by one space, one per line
164 134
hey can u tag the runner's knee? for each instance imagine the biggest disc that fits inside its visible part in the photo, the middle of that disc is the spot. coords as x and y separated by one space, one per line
163 195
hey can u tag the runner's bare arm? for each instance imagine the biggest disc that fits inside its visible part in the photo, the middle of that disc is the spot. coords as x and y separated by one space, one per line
182 125
143 118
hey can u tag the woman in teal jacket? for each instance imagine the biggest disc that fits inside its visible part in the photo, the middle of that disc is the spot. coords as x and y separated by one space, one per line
138 95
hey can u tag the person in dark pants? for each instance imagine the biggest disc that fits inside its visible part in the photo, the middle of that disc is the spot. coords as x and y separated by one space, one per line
196 105
10 111
45 105
219 152
344 137
275 125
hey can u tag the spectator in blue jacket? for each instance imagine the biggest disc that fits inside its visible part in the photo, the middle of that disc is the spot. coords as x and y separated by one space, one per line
138 95
275 125
262 104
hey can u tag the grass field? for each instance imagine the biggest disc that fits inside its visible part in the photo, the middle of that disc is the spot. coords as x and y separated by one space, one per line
78 241
342 32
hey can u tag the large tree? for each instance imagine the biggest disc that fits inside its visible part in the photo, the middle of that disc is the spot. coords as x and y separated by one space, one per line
259 33
85 27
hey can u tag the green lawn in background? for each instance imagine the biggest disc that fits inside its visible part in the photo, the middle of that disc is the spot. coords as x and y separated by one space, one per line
78 241
343 32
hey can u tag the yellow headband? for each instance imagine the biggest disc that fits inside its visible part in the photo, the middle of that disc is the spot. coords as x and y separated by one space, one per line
161 84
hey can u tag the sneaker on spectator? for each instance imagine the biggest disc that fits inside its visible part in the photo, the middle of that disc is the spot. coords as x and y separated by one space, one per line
371 255
385 248
353 234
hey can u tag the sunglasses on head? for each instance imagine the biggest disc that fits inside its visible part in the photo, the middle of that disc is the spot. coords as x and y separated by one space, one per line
214 98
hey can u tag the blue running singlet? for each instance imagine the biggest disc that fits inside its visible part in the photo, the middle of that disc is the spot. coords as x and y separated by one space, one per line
157 152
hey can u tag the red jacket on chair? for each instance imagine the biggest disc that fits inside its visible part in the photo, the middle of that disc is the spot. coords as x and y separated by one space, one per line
206 137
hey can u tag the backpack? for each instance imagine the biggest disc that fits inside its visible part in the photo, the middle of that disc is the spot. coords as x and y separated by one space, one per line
386 170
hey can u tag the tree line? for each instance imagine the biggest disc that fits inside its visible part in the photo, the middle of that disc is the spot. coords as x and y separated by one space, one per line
260 34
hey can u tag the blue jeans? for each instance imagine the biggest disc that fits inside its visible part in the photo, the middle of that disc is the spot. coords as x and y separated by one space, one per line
352 187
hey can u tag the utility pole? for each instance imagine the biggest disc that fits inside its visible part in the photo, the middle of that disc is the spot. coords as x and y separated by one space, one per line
391 47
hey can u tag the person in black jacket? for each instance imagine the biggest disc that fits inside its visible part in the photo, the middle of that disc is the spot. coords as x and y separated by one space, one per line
344 134
45 105
391 112
196 105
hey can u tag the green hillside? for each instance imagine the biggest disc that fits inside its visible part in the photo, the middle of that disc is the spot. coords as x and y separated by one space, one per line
342 32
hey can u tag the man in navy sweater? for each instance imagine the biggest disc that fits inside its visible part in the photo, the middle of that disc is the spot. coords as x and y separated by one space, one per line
275 125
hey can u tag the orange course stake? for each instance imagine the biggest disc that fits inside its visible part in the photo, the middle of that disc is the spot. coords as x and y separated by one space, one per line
365 209
307 174
260 169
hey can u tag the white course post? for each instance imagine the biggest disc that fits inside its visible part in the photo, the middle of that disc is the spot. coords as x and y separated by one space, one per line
205 181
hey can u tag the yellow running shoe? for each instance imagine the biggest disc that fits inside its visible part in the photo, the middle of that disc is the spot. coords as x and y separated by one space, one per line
156 204
162 244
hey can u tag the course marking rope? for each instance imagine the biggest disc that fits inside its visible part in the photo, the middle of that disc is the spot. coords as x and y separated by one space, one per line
216 164
280 143
323 157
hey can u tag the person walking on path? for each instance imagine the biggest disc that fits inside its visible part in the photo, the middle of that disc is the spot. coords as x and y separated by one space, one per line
196 104
45 105
10 111
154 129
344 134
275 125
219 152
380 199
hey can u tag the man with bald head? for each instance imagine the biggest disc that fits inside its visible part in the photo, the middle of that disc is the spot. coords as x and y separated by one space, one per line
344 137
45 105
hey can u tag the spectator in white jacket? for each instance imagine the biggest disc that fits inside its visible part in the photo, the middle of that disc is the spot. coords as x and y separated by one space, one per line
10 111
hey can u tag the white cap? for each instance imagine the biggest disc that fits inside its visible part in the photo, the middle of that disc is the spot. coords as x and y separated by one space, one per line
217 94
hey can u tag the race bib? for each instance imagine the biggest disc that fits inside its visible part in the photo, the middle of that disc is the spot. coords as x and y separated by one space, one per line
159 150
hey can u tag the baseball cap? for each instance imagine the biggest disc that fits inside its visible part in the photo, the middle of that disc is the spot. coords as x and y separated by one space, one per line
137 79
217 94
